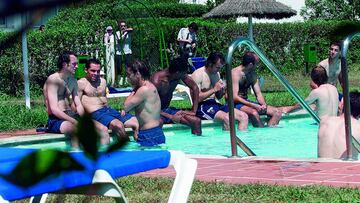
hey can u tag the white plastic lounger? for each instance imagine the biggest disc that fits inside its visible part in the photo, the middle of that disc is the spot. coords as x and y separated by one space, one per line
98 178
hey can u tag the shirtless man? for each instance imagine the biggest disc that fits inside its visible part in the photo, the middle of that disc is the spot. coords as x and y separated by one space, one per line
166 81
324 95
146 102
92 93
208 80
61 96
243 77
331 134
332 64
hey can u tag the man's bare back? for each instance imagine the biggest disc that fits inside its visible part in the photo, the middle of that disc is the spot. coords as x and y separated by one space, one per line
331 137
326 98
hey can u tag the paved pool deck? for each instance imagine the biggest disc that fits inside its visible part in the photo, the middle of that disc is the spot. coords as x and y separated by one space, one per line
249 170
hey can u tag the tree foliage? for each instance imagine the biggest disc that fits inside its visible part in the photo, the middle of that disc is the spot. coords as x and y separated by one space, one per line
331 10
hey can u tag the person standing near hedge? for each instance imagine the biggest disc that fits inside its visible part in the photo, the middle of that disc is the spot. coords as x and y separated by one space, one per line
123 48
61 96
109 41
187 40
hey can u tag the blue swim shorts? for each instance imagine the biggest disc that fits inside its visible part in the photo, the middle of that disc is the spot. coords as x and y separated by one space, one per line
208 108
151 137
171 111
106 114
54 123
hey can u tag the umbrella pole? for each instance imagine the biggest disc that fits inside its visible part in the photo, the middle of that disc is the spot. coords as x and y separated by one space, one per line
250 30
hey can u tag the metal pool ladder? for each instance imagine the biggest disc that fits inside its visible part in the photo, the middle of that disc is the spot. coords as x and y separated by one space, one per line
235 44
349 138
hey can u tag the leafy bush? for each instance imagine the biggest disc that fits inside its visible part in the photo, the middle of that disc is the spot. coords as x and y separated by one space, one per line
81 27
173 10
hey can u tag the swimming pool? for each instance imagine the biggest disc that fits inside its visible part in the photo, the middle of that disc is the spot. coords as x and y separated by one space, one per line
295 137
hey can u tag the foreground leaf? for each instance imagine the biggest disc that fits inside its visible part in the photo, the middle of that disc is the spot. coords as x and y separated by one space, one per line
121 141
88 136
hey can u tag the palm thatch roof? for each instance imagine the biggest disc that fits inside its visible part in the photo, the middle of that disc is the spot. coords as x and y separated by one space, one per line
256 8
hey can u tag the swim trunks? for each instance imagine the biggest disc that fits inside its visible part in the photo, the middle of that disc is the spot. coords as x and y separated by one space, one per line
54 123
151 137
208 108
171 111
106 114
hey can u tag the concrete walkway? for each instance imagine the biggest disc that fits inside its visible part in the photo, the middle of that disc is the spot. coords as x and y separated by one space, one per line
245 171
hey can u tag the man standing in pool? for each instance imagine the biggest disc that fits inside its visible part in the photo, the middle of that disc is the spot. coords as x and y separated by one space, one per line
331 134
211 88
324 95
146 102
332 64
92 93
166 81
243 77
61 96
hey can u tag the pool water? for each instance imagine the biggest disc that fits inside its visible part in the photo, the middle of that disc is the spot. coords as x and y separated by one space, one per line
293 138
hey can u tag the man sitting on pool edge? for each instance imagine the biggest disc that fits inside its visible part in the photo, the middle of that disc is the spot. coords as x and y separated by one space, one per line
146 102
92 93
166 81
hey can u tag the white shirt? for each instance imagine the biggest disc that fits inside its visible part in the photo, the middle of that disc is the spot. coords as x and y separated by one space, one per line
184 33
125 40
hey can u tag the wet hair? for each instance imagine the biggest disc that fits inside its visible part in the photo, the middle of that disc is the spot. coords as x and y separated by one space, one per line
193 26
336 44
178 64
64 58
139 66
91 61
318 75
249 57
355 104
213 58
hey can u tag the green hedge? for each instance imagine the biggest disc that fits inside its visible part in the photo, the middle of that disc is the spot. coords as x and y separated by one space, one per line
173 10
81 28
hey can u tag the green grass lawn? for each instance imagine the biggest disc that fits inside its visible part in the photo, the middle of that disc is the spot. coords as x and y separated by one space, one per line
143 190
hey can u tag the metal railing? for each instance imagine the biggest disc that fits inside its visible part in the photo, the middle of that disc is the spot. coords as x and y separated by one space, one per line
235 44
349 138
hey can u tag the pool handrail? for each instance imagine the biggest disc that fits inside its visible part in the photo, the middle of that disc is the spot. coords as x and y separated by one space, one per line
236 43
349 138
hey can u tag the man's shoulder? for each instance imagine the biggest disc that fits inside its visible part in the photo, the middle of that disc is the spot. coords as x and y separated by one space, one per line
199 71
328 87
82 82
53 76
324 63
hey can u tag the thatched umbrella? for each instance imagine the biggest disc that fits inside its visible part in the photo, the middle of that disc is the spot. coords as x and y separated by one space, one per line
251 8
